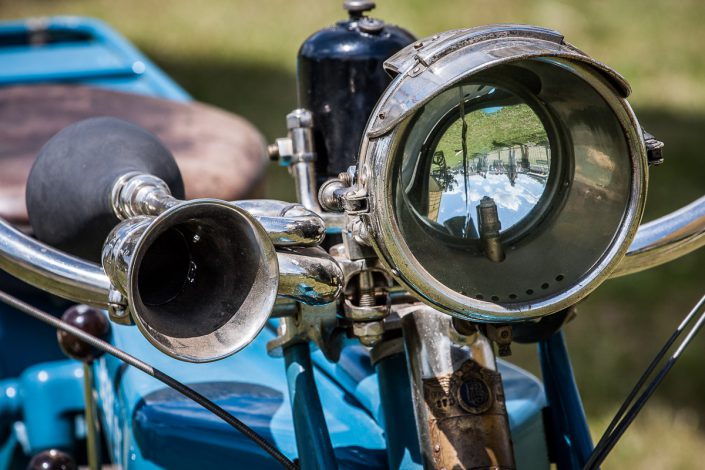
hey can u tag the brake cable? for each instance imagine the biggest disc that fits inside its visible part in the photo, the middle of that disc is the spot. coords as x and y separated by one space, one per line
183 389
631 408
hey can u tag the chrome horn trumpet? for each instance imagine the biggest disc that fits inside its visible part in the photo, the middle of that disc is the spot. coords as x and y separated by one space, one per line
202 275
199 278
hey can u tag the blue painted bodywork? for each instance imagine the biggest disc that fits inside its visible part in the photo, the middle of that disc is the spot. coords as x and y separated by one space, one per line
147 425
79 50
52 394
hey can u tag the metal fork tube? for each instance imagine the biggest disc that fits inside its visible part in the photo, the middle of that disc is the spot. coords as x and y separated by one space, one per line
52 270
458 395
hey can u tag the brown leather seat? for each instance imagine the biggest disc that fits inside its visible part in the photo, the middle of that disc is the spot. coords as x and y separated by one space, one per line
220 155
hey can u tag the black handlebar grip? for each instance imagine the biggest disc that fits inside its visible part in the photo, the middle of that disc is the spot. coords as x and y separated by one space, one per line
69 186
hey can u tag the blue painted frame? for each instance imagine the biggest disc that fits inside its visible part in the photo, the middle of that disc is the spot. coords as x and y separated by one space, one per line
572 443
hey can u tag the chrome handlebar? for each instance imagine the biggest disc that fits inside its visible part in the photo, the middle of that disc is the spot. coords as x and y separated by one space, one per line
665 239
657 242
52 270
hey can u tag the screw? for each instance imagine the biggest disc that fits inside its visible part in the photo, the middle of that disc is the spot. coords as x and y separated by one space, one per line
273 151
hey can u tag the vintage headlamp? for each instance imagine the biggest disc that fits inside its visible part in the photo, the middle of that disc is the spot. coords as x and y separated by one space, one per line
504 172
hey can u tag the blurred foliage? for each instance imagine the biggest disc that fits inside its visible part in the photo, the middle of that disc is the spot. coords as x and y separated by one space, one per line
241 56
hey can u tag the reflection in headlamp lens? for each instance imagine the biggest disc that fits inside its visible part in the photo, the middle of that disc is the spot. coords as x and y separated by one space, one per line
489 146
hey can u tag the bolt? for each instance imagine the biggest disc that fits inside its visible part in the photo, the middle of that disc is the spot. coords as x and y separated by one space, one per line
370 340
369 333
358 6
273 151
464 327
347 177
367 289
370 25
504 350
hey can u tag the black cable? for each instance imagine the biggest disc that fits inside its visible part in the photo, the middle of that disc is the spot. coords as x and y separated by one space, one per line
147 369
652 366
626 415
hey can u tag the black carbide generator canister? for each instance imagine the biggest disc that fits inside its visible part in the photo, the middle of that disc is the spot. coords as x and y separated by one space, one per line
340 78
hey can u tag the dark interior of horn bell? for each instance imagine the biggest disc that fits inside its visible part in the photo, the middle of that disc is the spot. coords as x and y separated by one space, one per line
194 270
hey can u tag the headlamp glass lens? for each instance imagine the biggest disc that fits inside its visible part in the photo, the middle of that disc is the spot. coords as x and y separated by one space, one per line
490 147
509 187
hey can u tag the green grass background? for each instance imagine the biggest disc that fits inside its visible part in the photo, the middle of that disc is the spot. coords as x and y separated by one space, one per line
240 55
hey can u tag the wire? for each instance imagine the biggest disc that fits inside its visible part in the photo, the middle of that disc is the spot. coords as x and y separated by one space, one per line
147 369
626 414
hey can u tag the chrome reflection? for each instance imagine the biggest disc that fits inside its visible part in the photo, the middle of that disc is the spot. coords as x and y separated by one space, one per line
491 145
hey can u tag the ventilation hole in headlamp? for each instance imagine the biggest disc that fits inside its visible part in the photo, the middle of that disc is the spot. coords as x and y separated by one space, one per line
512 296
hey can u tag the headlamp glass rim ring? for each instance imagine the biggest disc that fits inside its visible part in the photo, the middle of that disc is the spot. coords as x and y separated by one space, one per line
412 274
381 122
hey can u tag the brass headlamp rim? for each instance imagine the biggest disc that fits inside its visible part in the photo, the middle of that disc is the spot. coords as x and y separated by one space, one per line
385 132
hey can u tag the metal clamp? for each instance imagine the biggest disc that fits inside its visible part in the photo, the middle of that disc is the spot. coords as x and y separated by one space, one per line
654 149
298 145
317 324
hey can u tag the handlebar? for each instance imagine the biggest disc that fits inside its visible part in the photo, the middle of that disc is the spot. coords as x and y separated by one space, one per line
665 239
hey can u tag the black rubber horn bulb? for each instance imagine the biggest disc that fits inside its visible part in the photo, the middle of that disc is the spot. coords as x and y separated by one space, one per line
69 186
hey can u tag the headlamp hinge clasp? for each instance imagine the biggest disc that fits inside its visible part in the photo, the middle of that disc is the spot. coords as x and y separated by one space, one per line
356 202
